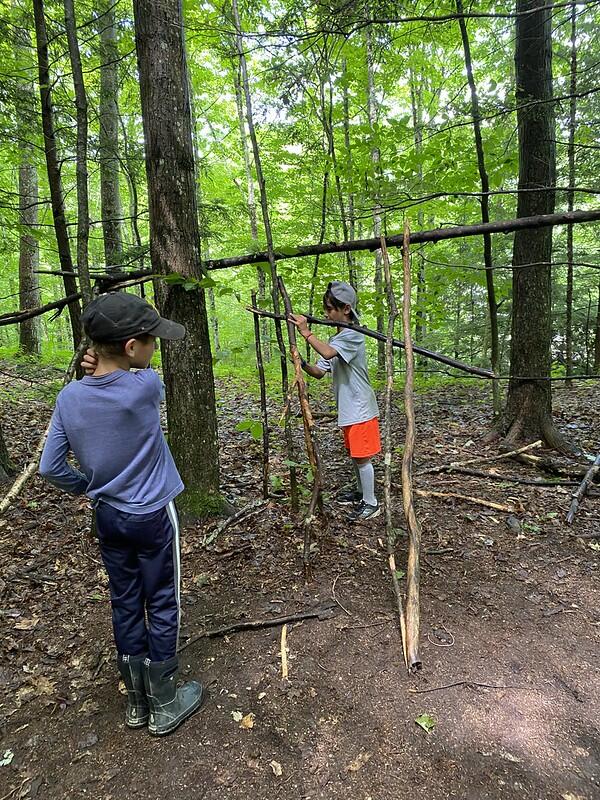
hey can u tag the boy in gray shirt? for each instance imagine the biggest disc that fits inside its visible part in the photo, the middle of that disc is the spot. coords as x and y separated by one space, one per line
344 356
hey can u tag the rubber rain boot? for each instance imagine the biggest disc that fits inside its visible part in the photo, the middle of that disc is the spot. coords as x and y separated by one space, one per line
170 704
132 672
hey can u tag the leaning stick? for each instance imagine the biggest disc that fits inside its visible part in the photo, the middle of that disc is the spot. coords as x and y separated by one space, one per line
581 491
387 439
413 568
309 424
450 362
31 468
263 403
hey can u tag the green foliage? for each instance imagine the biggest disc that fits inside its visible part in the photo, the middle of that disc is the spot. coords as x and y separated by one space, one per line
309 93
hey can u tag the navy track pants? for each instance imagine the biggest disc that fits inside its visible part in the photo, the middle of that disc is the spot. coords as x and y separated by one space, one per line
141 555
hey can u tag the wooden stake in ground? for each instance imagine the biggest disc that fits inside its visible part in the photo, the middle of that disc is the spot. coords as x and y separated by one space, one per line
31 468
284 660
413 569
264 416
387 442
581 491
312 449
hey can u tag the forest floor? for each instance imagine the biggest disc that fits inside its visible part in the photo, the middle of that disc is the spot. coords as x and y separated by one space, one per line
510 634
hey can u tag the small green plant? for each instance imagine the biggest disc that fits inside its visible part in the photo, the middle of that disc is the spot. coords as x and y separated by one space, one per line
254 427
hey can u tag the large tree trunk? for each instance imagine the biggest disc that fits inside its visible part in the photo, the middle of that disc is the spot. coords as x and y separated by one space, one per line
175 247
52 165
528 414
29 252
108 142
372 113
485 211
571 195
83 213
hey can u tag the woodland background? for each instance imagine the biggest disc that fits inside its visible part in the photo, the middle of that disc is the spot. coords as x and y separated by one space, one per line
359 123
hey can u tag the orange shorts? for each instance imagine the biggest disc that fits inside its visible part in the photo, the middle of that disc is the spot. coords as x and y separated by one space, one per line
362 440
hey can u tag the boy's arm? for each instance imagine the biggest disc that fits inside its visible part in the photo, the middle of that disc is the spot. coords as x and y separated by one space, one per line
313 370
53 465
322 348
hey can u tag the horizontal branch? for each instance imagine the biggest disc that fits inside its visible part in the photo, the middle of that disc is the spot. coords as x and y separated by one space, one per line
416 237
451 362
14 317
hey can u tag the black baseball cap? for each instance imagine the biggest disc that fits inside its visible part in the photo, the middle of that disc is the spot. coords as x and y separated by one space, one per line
117 316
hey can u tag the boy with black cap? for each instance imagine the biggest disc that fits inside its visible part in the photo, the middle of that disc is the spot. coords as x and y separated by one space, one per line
358 414
110 420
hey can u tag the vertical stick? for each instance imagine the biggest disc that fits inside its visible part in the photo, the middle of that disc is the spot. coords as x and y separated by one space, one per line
269 238
387 442
413 569
284 661
263 402
309 424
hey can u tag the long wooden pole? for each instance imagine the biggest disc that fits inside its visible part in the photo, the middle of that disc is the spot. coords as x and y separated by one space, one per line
312 449
390 531
413 568
263 403
451 362
417 237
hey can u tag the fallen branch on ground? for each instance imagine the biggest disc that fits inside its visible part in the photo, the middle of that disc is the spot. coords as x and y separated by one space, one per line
322 613
495 476
581 491
468 499
472 684
479 460
247 511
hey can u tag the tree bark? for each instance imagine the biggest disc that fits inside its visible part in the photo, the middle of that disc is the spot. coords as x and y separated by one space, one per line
571 197
108 142
485 211
372 114
597 337
83 213
175 247
52 165
29 253
528 413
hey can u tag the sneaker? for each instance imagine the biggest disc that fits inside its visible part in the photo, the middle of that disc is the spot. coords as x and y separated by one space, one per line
348 497
364 511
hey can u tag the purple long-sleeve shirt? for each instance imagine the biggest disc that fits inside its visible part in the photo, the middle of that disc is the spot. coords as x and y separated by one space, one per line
112 426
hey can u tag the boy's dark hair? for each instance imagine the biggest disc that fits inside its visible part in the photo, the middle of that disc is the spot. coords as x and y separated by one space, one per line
108 349
333 301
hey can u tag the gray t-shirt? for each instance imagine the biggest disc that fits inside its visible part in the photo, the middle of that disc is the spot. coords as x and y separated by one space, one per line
354 395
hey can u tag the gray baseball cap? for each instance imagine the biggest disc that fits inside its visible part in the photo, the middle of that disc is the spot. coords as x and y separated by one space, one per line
345 293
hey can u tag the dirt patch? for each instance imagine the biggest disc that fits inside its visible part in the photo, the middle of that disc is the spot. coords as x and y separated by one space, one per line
509 616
